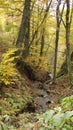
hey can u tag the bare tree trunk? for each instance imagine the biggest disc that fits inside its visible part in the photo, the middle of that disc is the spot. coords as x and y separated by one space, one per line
58 20
68 40
42 41
43 34
24 32
66 66
57 40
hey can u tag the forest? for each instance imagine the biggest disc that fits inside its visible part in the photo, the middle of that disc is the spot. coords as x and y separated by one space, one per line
36 64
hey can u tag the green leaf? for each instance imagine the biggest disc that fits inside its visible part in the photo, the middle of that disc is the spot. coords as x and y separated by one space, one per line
58 119
68 114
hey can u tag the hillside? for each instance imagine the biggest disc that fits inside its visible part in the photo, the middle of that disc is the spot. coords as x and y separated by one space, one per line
21 101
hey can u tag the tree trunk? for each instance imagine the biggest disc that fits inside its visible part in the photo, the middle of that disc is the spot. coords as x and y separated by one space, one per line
63 69
57 40
59 15
42 42
24 32
67 40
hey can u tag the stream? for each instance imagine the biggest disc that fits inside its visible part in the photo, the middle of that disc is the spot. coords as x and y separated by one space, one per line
41 96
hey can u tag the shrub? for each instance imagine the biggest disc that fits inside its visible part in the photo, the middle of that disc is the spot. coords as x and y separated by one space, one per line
8 71
40 62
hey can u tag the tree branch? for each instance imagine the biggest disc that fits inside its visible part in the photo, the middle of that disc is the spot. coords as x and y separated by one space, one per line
40 23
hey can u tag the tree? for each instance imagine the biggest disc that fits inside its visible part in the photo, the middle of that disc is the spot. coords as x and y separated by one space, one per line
43 34
42 41
66 66
58 21
68 25
24 32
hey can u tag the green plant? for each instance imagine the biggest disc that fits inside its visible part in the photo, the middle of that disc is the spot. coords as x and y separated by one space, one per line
30 98
67 103
6 126
58 118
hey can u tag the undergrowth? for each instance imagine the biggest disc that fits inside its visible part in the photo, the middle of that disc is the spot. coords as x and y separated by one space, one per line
60 118
8 71
40 62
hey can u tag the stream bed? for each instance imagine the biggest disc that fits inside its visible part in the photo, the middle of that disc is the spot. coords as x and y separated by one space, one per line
41 96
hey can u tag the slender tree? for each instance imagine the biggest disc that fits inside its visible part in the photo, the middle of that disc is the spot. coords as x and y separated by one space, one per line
45 16
66 66
58 23
68 53
43 33
42 41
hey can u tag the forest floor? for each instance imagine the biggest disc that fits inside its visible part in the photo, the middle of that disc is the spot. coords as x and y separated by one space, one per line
24 99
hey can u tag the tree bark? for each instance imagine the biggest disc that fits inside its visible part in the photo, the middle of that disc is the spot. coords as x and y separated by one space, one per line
42 41
56 41
58 20
24 32
68 40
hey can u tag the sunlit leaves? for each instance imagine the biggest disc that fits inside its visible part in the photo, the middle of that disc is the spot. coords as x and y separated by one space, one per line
7 68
